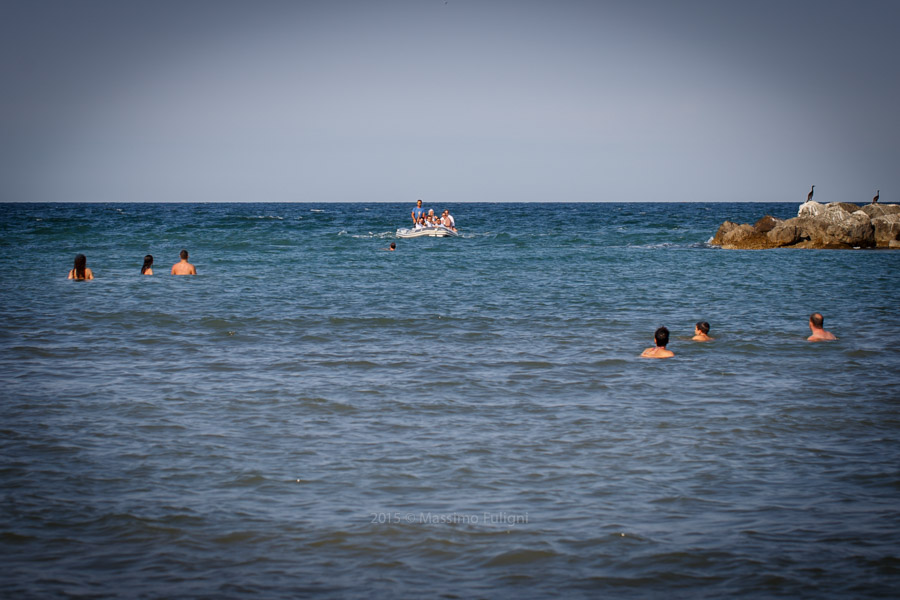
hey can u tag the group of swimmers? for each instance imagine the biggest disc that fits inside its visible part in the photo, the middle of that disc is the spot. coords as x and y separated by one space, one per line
80 271
422 219
660 336
701 334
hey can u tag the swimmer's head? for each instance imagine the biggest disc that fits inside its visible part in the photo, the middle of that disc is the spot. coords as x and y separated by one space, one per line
148 262
80 266
817 320
183 254
703 327
662 337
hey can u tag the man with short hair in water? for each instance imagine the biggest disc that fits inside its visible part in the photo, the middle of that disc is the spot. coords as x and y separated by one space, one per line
701 331
661 337
816 325
183 267
417 212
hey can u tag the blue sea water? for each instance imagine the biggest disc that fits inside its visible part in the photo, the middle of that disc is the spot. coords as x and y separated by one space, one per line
313 415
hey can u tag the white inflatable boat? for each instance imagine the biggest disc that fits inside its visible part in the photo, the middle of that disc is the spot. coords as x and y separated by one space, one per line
426 232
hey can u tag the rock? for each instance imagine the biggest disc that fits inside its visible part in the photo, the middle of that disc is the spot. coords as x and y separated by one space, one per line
739 234
767 224
834 225
836 213
880 210
856 233
785 234
733 236
810 209
837 228
812 229
745 237
724 229
887 229
846 206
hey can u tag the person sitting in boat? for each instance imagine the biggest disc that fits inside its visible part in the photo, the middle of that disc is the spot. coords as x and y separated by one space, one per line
420 224
447 220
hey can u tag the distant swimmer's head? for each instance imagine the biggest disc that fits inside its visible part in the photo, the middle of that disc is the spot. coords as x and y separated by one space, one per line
183 254
148 262
703 327
79 267
662 337
393 245
817 320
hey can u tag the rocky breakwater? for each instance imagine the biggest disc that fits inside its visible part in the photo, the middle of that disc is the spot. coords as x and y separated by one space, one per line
834 225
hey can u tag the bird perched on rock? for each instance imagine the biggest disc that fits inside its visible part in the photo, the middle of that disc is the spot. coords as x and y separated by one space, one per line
810 194
875 199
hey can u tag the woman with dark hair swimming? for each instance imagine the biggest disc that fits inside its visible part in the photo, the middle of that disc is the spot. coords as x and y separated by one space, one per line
147 269
80 270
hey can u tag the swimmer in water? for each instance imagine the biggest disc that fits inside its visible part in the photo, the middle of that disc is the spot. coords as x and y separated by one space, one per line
183 267
661 338
816 326
79 269
701 331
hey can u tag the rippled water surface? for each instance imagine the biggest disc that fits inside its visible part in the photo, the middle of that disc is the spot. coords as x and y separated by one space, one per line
315 416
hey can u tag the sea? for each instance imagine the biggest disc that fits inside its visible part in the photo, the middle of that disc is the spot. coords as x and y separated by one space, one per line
315 416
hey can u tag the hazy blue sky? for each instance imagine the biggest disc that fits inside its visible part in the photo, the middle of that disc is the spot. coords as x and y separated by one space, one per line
463 100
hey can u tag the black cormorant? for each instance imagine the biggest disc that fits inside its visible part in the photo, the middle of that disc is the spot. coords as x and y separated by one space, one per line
810 194
875 199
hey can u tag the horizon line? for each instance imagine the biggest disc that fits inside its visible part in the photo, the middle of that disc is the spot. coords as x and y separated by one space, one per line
423 200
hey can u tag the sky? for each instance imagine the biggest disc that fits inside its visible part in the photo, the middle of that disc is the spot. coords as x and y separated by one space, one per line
449 101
